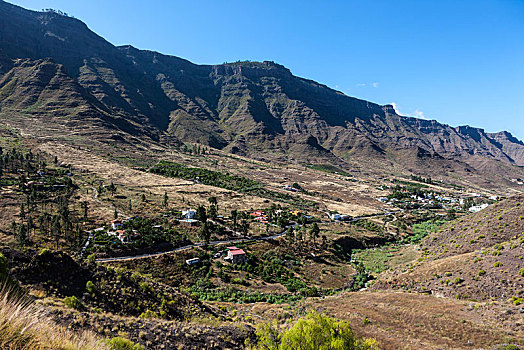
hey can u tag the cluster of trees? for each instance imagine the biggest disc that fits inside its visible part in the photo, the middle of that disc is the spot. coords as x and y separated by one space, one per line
303 233
270 267
43 208
402 192
13 160
209 292
227 181
427 180
205 176
194 149
57 226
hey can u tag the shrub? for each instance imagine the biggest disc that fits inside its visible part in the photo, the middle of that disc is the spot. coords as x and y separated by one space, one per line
3 266
119 343
482 272
44 251
521 272
90 287
497 264
135 276
322 332
144 287
91 258
517 301
73 302
148 314
458 280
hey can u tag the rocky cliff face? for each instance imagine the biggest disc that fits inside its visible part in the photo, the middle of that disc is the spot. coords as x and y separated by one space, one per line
253 108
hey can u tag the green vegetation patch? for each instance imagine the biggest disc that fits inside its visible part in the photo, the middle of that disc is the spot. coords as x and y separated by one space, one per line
420 231
205 176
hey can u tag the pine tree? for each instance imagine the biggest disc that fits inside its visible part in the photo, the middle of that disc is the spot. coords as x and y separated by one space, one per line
22 211
212 211
290 234
205 232
234 217
164 201
201 213
314 232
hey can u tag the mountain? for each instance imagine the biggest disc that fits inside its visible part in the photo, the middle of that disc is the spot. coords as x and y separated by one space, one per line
51 64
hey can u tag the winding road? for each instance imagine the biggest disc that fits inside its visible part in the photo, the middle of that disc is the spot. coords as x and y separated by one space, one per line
142 256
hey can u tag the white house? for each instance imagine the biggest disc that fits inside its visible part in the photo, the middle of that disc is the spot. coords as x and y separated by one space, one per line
189 214
193 261
477 208
116 224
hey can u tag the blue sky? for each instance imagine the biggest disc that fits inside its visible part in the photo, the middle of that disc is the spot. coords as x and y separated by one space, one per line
459 62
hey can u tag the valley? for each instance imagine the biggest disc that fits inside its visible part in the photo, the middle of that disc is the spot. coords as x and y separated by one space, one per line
147 202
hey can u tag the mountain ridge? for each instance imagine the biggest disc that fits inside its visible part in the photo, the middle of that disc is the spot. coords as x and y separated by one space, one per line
259 109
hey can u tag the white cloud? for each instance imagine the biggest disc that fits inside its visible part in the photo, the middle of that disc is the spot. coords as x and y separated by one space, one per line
375 84
395 106
417 113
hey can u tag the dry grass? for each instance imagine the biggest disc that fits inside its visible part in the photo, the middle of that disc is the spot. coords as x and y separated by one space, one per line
25 325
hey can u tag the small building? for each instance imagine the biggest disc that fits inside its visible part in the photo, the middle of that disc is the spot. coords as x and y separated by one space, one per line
189 213
339 217
477 208
192 261
236 255
116 224
257 213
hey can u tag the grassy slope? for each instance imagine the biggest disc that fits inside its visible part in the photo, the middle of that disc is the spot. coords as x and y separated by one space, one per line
25 325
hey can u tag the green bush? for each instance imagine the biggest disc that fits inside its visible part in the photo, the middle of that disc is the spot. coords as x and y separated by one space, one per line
521 272
90 287
312 332
3 266
44 251
482 272
135 276
144 287
73 303
119 343
91 258
148 314
517 301
497 264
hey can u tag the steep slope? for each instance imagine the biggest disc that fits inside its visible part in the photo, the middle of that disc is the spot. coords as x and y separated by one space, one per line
95 63
510 145
476 257
263 106
40 94
258 109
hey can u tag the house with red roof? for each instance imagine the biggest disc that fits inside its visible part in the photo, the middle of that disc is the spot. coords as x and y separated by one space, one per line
236 255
